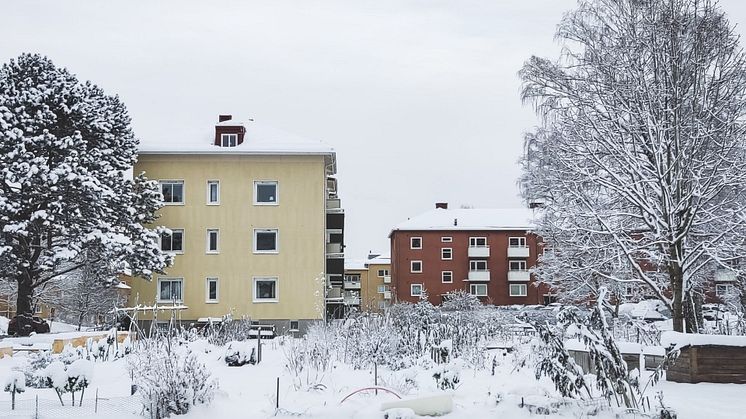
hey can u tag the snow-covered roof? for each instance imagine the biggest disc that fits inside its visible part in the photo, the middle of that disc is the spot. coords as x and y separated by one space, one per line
355 264
259 139
470 219
379 260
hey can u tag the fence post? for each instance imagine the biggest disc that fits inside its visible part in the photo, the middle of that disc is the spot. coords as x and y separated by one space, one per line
375 374
36 411
95 406
277 399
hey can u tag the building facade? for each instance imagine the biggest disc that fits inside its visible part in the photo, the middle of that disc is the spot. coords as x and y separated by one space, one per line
369 281
487 253
255 223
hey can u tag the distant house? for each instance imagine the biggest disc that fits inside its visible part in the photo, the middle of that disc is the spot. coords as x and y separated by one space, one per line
486 252
255 222
370 281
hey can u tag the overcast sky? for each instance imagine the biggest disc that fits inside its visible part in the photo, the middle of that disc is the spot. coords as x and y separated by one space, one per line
419 98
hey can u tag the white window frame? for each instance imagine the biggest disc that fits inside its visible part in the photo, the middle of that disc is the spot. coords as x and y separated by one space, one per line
217 241
520 263
521 242
382 304
523 287
474 265
207 290
411 267
173 182
446 239
267 182
443 253
296 328
277 241
225 140
385 273
183 241
217 192
412 288
383 288
254 282
170 279
474 241
443 275
473 288
728 290
411 243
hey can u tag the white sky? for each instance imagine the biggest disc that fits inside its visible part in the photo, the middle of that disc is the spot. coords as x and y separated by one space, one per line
419 98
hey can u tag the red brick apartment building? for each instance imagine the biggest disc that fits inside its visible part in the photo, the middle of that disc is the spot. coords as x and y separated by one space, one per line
486 252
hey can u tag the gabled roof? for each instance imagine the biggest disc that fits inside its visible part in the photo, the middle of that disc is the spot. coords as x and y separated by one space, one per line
470 219
259 139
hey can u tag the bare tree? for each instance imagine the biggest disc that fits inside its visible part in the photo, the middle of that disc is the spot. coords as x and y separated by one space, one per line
640 160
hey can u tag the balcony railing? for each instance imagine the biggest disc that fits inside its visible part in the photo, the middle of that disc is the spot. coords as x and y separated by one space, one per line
352 301
352 285
334 250
334 205
481 275
387 279
518 252
387 295
479 251
724 275
519 275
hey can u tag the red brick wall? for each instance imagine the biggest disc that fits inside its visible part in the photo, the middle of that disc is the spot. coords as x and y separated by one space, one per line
432 265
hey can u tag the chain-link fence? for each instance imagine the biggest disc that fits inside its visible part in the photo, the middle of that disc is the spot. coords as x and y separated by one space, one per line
94 405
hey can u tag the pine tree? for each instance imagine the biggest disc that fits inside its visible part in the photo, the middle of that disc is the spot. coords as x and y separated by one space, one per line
66 149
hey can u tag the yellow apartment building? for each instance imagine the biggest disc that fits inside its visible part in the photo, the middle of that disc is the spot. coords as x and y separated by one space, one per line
255 223
368 283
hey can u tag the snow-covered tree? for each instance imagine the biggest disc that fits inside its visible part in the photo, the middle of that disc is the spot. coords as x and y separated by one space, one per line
65 152
15 383
639 160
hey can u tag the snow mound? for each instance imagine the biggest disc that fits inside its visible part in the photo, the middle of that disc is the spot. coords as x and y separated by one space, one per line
681 340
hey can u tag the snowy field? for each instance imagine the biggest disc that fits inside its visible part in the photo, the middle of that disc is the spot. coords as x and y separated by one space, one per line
250 390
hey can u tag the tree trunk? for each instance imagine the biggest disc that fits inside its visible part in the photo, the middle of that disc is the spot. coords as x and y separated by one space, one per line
677 313
25 294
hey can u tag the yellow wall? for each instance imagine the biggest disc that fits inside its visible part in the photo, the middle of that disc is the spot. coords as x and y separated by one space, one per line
300 218
371 286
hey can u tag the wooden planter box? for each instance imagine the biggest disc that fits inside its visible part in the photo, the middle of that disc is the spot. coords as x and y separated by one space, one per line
583 358
709 364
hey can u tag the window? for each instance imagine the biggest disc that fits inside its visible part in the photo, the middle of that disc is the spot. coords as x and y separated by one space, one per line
228 140
265 290
415 266
517 242
446 253
352 278
480 290
382 305
294 326
477 241
517 265
265 193
212 240
211 290
446 239
478 265
173 242
170 289
518 290
172 191
415 243
415 290
446 277
383 288
265 241
383 272
213 192
723 289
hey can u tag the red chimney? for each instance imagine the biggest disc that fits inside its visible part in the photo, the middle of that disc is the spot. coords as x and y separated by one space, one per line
223 118
441 205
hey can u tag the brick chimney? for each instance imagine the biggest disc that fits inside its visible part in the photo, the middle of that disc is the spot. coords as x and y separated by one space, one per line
223 118
441 205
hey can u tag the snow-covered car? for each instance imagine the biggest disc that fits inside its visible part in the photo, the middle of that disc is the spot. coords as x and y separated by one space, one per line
714 312
647 310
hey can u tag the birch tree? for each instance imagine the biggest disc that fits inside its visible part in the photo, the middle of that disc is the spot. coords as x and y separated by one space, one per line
639 158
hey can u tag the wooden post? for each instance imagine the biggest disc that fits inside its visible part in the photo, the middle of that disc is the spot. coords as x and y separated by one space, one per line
375 374
277 399
95 406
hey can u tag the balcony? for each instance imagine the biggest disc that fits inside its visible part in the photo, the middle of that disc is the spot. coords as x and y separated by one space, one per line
483 275
352 299
334 250
387 279
519 276
387 295
334 295
479 251
331 185
334 205
352 285
518 252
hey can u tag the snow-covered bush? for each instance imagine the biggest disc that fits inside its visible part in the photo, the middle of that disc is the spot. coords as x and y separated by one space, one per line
229 330
15 383
170 377
79 375
240 353
32 366
71 354
56 376
447 376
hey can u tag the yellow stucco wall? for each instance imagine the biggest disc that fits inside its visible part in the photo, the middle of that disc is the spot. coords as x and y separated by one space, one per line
373 297
299 217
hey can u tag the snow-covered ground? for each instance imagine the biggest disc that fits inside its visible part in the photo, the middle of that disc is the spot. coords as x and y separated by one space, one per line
249 391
